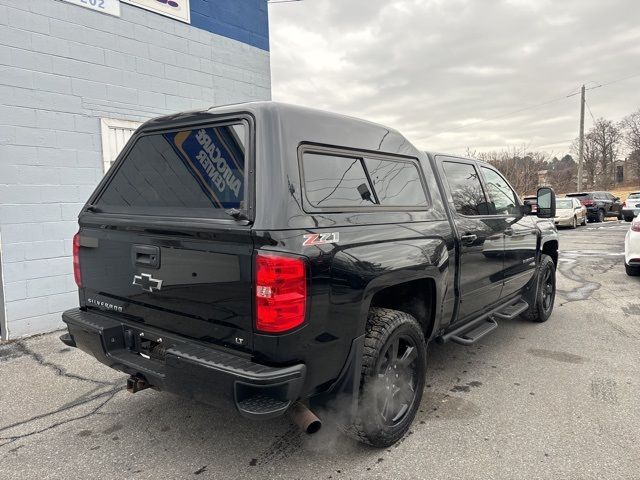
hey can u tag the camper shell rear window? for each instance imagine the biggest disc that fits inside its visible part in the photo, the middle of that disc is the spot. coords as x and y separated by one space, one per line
197 171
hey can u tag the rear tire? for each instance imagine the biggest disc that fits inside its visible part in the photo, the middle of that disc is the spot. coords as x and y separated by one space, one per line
584 221
600 217
574 223
628 219
542 306
620 215
632 271
394 365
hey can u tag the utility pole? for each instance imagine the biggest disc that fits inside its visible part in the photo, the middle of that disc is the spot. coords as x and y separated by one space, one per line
581 146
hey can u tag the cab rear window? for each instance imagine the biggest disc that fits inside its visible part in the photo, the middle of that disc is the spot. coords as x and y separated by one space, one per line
191 171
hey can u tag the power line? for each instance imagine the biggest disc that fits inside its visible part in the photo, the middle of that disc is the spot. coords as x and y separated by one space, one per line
553 100
537 105
590 112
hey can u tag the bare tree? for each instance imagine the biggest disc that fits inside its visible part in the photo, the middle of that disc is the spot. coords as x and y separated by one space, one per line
606 138
631 132
519 165
591 160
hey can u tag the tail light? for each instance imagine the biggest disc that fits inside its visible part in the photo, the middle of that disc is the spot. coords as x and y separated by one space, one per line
587 203
635 226
76 260
281 292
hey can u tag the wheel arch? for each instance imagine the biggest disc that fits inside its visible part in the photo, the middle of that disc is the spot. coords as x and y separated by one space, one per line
417 297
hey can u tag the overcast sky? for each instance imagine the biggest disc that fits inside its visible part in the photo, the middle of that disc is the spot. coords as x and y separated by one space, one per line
441 71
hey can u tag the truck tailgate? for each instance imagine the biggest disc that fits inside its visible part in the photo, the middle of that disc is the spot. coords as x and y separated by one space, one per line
200 288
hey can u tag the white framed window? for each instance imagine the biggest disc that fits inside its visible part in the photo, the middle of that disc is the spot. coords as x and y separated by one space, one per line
115 135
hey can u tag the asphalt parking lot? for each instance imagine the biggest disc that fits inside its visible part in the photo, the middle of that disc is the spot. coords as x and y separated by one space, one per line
555 400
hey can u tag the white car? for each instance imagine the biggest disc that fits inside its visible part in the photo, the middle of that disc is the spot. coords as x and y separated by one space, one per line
632 249
570 213
631 206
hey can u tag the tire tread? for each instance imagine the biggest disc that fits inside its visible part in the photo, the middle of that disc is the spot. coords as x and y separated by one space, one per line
380 324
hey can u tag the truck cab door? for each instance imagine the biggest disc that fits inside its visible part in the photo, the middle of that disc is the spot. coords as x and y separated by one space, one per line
520 232
480 237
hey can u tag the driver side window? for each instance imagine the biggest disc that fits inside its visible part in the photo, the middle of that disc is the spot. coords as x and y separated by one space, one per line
500 193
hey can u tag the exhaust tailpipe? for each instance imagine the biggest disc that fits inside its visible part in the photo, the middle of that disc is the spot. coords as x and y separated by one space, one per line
135 384
304 418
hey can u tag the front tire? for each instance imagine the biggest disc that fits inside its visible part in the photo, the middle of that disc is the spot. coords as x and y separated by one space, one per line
393 374
541 309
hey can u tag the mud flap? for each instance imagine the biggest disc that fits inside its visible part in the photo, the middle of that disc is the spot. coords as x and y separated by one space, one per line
346 389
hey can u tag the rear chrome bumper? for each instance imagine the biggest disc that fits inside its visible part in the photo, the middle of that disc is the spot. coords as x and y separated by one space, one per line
185 367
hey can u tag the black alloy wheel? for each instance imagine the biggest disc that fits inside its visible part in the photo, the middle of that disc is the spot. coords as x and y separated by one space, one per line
548 289
397 377
541 306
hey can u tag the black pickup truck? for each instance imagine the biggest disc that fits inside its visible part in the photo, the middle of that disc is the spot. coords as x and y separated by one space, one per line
282 257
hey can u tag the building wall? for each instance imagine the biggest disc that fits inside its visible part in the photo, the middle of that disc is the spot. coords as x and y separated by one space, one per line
62 69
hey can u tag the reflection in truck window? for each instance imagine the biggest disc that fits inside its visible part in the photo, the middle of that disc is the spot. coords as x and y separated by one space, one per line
466 189
396 183
500 192
199 168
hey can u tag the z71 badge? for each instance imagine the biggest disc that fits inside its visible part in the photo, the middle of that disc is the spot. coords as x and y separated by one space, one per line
313 239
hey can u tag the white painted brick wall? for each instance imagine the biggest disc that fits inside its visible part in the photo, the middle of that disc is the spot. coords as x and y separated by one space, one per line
62 68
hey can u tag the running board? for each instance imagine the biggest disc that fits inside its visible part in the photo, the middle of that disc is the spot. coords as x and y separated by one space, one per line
512 311
473 331
476 332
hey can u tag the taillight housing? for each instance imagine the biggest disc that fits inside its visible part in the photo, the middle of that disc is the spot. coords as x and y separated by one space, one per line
281 292
76 260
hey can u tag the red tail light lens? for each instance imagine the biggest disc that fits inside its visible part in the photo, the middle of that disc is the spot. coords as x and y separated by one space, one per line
281 292
76 260
635 226
586 203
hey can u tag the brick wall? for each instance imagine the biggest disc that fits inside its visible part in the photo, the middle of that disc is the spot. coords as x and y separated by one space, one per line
62 68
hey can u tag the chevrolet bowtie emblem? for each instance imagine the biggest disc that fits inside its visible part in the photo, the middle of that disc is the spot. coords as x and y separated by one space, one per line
147 282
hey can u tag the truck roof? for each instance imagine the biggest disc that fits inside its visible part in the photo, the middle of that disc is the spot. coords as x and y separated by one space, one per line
284 112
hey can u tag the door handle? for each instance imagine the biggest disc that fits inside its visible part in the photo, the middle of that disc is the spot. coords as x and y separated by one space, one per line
468 239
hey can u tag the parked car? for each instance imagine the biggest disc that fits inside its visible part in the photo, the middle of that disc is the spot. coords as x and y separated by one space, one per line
531 200
631 206
632 249
274 255
599 205
570 213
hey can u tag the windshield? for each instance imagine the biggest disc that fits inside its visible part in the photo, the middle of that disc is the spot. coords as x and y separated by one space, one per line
634 196
564 203
192 172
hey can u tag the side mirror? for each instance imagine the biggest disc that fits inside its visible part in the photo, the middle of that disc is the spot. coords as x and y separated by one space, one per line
546 203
